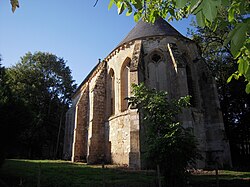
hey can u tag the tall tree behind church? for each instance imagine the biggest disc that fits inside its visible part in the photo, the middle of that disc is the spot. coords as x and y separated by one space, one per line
3 99
42 84
234 101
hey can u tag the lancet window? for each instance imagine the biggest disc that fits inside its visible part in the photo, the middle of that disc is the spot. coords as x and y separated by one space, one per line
111 93
157 72
125 84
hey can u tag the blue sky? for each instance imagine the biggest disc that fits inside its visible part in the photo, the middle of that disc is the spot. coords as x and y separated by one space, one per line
71 29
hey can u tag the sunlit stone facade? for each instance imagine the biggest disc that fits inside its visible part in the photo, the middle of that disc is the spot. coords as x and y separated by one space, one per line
101 127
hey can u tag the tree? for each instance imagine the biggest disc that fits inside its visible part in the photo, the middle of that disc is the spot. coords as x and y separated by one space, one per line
2 101
41 85
10 113
168 144
233 99
3 94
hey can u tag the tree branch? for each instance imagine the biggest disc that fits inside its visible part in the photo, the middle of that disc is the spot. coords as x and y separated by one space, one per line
96 3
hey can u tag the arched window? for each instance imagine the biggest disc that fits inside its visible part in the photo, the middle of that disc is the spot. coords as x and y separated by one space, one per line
125 84
157 72
111 92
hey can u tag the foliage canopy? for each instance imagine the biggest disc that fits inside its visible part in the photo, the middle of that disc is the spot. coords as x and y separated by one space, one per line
37 93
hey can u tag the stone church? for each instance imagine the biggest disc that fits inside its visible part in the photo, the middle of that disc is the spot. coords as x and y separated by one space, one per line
101 127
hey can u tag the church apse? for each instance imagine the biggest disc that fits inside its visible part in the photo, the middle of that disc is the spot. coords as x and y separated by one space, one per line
106 129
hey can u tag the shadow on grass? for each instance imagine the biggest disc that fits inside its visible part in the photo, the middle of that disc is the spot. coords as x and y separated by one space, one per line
62 173
56 173
226 179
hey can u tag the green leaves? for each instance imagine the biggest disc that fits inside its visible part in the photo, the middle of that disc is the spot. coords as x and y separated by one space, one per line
128 5
137 4
129 12
167 142
200 19
231 13
137 16
238 36
181 3
248 88
42 74
205 11
39 90
111 2
240 46
234 75
121 8
225 3
14 4
156 103
209 9
243 66
236 7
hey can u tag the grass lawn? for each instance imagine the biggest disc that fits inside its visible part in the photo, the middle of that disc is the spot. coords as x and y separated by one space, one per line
63 173
59 173
226 178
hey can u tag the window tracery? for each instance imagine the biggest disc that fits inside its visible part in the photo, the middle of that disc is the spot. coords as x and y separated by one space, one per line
157 71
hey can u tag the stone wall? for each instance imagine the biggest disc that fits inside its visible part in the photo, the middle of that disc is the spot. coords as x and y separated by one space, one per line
123 126
187 74
135 148
79 149
118 136
217 146
96 136
119 123
69 133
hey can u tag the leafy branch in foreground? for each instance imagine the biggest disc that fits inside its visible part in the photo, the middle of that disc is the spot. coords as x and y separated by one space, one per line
167 143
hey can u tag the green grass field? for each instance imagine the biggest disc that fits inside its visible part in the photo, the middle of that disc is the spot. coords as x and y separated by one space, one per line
226 178
59 173
63 173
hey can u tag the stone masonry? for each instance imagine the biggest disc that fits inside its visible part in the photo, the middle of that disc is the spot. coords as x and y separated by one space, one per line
100 127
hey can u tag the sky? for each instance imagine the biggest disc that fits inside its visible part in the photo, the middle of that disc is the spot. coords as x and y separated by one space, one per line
72 29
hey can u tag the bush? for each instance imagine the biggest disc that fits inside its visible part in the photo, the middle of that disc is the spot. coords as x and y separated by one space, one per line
168 144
